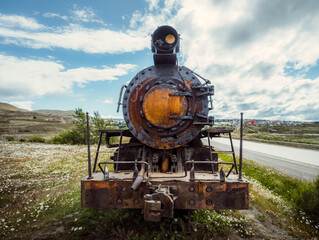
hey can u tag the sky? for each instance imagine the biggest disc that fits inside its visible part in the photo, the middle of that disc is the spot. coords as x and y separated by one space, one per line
262 56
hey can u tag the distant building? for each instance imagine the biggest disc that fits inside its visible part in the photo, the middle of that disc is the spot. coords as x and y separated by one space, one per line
253 122
277 123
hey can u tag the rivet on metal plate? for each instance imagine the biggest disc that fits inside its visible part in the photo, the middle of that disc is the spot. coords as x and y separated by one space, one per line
209 189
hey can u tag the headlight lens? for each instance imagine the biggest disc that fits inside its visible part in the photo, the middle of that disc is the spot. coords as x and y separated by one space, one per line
170 39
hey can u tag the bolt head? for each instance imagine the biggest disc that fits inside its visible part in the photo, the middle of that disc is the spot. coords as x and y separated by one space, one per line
209 189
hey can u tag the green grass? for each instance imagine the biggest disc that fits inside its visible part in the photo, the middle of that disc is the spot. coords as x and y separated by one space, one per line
304 196
37 139
298 133
40 198
285 138
129 224
11 138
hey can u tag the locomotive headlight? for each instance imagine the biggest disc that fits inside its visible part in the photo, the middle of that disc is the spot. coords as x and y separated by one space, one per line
165 40
170 39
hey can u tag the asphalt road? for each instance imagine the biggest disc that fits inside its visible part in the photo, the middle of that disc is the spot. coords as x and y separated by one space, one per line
296 162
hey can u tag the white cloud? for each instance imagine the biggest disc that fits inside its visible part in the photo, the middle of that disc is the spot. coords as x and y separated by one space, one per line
137 15
110 117
10 21
78 38
55 15
153 4
86 15
23 104
244 47
108 101
22 78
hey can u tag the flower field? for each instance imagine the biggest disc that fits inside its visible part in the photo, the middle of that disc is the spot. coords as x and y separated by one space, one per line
40 199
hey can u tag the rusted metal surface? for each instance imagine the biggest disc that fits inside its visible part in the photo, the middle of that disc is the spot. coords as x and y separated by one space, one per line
158 204
170 122
159 193
165 166
159 160
159 107
207 192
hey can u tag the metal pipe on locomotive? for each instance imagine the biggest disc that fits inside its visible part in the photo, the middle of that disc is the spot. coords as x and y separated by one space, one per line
165 165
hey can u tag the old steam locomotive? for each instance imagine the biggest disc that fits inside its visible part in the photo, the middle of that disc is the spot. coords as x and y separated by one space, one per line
165 165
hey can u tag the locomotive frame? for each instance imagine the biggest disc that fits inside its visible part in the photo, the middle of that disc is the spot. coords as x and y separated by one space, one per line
165 165
160 193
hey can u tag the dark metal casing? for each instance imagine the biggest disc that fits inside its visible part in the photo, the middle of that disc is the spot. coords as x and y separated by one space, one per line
183 83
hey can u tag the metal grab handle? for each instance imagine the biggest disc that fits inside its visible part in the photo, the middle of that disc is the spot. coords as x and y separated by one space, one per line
185 166
120 97
196 162
124 162
192 171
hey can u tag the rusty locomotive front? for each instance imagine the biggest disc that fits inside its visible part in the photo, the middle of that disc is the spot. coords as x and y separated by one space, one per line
165 165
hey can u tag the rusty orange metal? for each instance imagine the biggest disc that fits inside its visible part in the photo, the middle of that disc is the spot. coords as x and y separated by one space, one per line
159 106
204 193
165 165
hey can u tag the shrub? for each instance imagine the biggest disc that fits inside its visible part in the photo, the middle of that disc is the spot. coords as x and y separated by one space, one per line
79 130
78 135
37 139
69 137
306 198
11 138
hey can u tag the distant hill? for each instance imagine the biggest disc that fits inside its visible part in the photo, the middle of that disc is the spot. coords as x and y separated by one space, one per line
20 122
9 107
68 113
